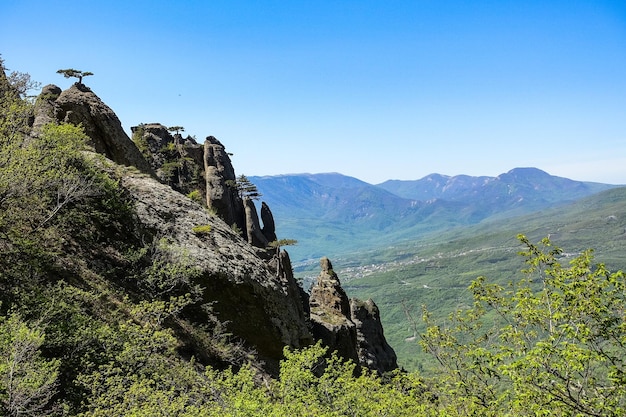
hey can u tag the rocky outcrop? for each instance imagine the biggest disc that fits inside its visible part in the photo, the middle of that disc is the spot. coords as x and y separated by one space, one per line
269 227
330 313
248 284
187 166
257 305
349 326
372 348
79 105
46 109
177 161
253 227
221 194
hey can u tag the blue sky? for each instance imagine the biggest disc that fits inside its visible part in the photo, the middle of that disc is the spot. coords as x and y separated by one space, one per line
372 89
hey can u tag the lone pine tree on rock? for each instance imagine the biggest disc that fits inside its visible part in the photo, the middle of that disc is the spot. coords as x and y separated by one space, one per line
176 129
70 72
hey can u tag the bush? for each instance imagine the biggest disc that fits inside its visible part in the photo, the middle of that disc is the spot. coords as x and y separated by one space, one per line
204 229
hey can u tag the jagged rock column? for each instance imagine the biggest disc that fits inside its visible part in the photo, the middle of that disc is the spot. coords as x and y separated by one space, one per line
221 194
269 227
372 348
350 326
330 312
253 228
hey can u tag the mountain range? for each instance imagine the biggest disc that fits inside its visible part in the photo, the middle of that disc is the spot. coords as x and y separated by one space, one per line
331 213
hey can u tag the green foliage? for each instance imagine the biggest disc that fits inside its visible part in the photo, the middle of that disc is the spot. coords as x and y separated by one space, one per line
236 229
27 380
72 73
549 344
161 270
245 188
312 383
176 129
170 147
282 242
203 229
170 170
196 196
140 140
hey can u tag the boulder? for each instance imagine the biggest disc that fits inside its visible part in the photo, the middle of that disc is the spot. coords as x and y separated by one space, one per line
79 105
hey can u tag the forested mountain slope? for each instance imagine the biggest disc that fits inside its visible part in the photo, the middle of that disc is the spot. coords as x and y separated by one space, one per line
344 214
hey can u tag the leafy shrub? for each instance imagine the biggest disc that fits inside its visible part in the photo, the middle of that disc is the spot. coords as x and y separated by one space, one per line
200 230
196 196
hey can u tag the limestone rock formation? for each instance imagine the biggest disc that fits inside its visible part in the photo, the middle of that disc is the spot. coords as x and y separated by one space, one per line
258 306
253 228
249 285
187 167
330 313
177 161
220 180
269 227
350 326
79 105
46 109
372 348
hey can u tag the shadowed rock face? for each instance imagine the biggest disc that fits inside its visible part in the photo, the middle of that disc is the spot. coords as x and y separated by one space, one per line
220 179
350 326
373 350
253 227
258 305
330 313
269 228
79 105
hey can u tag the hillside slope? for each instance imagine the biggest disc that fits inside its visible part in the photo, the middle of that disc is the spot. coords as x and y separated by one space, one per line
435 272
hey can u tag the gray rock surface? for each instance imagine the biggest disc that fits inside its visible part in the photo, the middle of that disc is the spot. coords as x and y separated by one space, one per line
79 105
253 228
257 306
350 326
372 348
221 194
269 227
177 161
330 313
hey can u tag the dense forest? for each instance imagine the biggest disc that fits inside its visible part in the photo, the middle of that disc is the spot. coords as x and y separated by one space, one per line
92 319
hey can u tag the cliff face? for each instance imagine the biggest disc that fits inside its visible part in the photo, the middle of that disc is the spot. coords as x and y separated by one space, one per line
248 284
244 290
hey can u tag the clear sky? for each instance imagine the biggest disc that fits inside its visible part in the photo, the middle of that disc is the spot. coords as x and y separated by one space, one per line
372 89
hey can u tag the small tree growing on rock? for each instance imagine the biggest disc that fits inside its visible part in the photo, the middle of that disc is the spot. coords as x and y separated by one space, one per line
176 129
245 187
72 73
